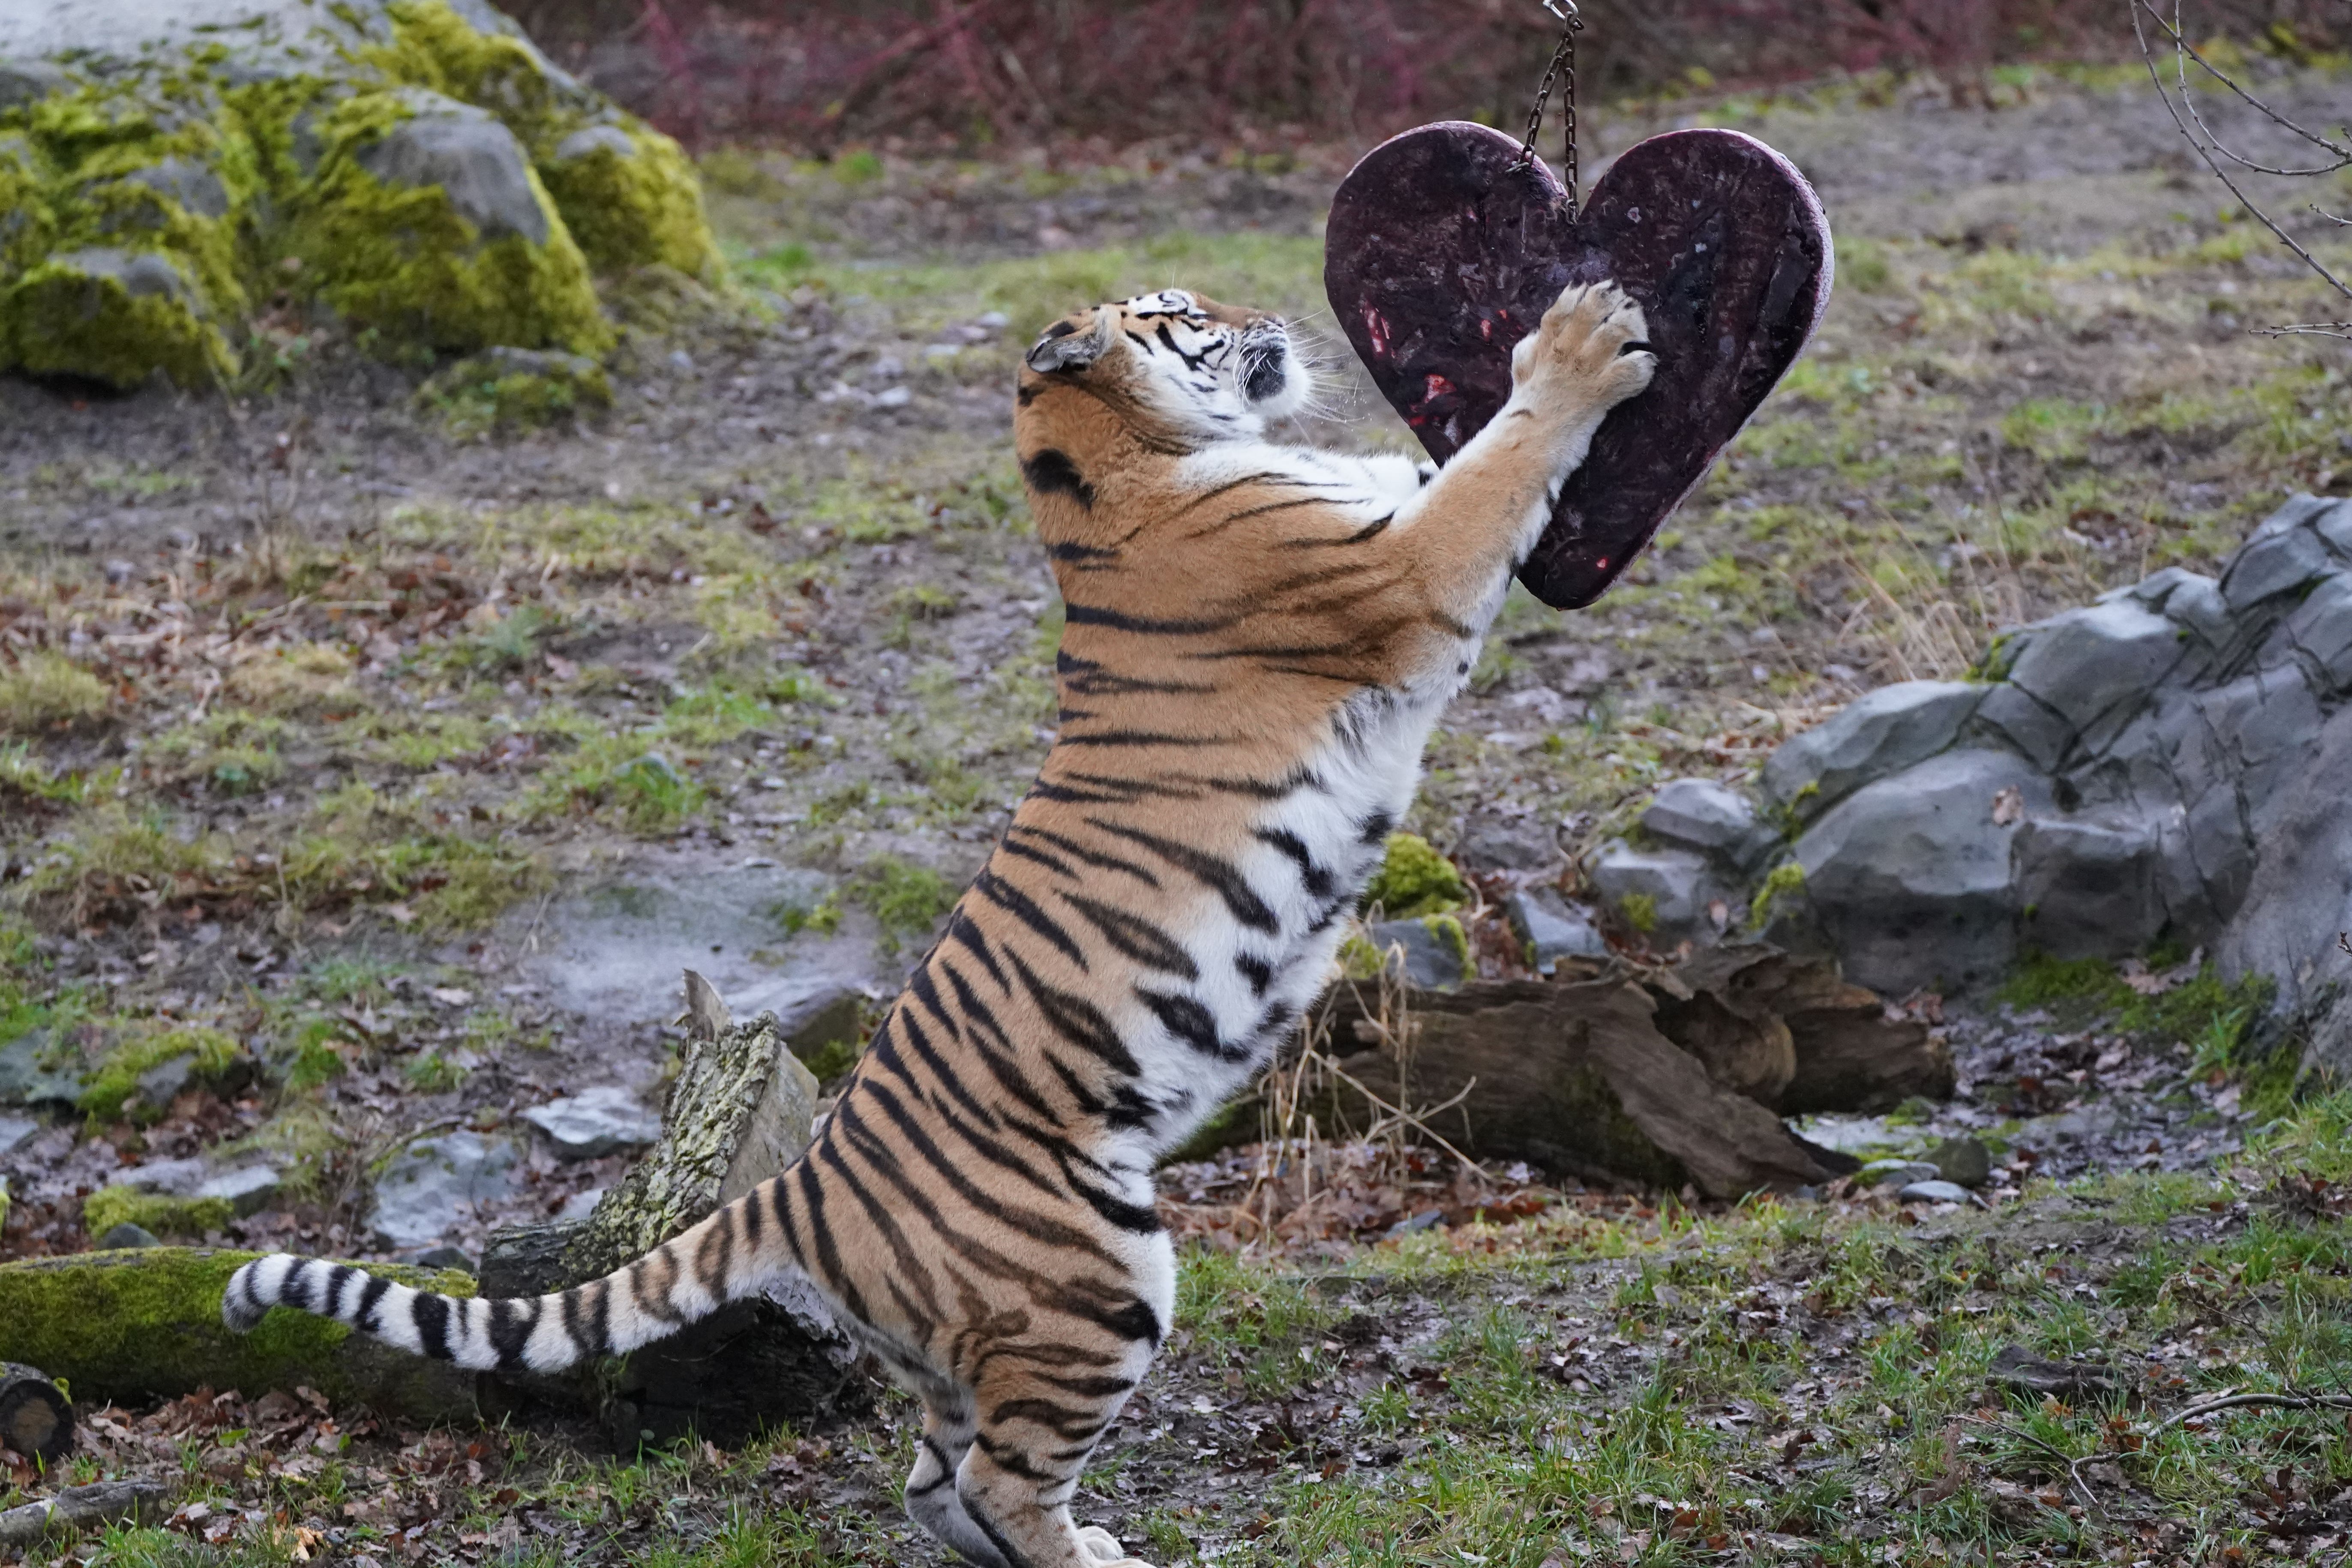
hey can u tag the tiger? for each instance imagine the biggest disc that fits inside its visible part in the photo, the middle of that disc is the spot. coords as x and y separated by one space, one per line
1258 639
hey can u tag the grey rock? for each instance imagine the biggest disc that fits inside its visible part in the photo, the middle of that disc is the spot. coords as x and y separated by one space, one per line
2090 888
1896 1173
595 1123
1911 876
187 184
2275 561
28 81
471 156
34 1070
434 1185
1962 1159
529 1259
2334 525
249 1190
2010 717
124 1237
1676 886
446 1257
2321 629
591 139
1877 734
143 274
2297 903
1935 1193
1428 960
1550 928
2095 666
173 1178
1520 844
16 1131
1712 818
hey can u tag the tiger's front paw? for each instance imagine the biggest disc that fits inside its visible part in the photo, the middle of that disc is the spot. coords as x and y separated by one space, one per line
1590 353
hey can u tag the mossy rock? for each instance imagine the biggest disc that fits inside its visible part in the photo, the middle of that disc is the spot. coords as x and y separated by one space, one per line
1414 880
141 1074
142 1325
506 389
414 169
158 1213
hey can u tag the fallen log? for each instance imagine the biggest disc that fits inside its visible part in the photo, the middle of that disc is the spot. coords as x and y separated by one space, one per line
103 1503
37 1419
1655 1077
136 1324
740 1111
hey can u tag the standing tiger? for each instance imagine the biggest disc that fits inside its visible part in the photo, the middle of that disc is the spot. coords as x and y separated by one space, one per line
1259 640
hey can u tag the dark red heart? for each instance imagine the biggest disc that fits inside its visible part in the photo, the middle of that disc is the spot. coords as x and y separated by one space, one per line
1442 251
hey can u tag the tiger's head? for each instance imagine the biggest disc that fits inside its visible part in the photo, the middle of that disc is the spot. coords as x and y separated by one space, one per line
1174 364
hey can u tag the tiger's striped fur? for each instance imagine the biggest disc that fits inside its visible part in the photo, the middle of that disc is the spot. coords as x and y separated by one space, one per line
1258 641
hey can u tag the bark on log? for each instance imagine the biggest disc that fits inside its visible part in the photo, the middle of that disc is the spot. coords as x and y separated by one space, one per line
134 1325
105 1502
740 1112
1657 1078
37 1419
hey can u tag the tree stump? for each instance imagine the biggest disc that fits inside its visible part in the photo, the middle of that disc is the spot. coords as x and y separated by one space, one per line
37 1419
740 1112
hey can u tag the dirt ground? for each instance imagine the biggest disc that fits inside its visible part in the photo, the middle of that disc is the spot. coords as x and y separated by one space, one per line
417 764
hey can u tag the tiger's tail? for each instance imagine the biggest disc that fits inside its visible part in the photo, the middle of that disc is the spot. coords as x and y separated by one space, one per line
733 1253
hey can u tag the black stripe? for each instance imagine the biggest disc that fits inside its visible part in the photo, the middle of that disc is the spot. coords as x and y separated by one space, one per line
370 1297
1119 620
1135 937
511 1330
1255 970
1094 857
965 933
885 1056
1370 531
1025 909
1143 738
1184 1017
1139 1219
1035 1226
1012 846
1246 513
1231 885
1318 879
1078 1021
828 1256
1051 472
430 1314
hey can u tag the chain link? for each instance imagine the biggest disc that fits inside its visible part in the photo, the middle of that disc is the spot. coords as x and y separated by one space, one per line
1561 71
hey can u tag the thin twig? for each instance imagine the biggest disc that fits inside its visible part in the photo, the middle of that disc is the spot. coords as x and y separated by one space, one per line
2074 1475
2233 1401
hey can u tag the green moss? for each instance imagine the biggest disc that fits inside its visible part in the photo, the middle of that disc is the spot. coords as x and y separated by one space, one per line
211 1057
1787 880
516 389
27 225
1641 911
1450 935
43 690
159 1213
638 207
136 1325
906 898
1414 880
403 261
63 317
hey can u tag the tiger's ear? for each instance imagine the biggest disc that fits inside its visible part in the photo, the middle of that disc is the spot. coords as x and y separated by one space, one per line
1065 346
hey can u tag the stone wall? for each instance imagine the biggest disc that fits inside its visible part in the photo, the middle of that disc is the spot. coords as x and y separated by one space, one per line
2172 763
170 174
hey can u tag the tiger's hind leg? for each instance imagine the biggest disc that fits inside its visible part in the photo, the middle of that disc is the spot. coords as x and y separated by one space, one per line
932 1500
1033 1436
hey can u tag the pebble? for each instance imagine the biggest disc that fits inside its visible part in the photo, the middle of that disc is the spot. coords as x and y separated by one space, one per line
1962 1159
1900 1173
248 1191
1936 1193
435 1183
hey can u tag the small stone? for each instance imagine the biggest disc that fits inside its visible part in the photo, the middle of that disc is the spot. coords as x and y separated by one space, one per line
1665 894
1550 928
1963 1161
1430 961
1896 1173
994 320
34 1071
1934 1193
126 1236
173 1178
893 397
446 1257
437 1182
1707 816
16 1131
248 1191
596 1123
1519 844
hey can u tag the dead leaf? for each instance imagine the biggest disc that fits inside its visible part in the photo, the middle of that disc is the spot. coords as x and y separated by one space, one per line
2008 806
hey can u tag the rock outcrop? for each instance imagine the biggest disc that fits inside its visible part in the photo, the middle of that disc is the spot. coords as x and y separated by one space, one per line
2171 762
414 170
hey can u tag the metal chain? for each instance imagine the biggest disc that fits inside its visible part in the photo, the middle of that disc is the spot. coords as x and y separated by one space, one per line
1564 64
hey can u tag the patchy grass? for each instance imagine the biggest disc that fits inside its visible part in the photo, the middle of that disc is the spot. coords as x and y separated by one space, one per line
45 691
